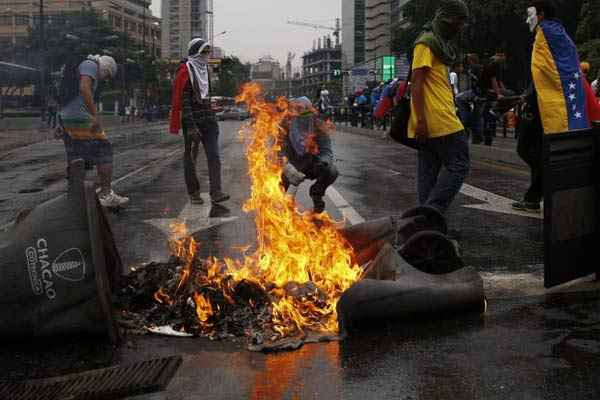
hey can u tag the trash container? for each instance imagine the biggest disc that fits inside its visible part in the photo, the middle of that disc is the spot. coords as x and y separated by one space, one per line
59 267
392 289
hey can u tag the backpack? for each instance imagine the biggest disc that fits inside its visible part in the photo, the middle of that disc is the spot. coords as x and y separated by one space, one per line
401 114
69 84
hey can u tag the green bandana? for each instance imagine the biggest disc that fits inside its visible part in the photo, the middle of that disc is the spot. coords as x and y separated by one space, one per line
439 34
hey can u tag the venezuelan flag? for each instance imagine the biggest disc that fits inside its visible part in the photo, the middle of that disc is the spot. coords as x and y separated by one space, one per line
558 80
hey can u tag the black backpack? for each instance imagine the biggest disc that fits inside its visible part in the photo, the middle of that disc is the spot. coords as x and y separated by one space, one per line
69 83
401 116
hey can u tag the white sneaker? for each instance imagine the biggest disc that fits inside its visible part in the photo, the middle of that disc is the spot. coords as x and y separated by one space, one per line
111 199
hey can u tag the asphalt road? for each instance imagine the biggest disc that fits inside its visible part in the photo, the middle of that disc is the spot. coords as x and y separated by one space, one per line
531 343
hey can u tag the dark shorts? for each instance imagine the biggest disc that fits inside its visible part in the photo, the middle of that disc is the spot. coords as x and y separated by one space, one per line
92 151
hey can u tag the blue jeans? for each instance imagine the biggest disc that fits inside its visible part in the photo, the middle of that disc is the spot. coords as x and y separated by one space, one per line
471 118
437 187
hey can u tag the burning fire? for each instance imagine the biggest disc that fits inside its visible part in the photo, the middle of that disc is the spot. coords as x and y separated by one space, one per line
301 260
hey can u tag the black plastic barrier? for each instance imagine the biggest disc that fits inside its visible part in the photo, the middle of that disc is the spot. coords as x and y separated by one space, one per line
58 266
571 205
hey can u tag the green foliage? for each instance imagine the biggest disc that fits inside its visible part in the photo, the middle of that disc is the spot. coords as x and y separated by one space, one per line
588 35
589 25
590 52
494 26
232 74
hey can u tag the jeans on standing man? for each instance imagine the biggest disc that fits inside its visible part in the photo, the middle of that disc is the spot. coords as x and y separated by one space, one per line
443 156
210 141
443 166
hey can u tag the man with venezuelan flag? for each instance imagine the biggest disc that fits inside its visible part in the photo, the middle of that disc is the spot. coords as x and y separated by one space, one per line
559 89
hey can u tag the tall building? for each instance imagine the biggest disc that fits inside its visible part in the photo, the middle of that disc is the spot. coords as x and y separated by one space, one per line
18 16
182 20
367 29
353 32
378 20
266 72
130 16
322 67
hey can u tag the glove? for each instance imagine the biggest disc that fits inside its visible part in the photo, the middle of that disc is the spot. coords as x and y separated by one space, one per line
294 176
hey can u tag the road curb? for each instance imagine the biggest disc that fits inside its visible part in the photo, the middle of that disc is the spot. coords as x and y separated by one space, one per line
504 155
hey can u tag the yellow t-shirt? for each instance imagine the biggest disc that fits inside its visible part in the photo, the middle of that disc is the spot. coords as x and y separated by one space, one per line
440 112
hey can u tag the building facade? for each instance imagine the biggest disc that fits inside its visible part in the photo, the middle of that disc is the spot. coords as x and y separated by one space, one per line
131 17
353 32
267 72
322 67
368 56
18 16
128 16
378 31
182 21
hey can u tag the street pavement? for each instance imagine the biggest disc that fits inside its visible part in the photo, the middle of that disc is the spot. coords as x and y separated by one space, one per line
532 343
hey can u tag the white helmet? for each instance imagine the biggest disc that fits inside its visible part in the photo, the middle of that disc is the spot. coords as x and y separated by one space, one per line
108 67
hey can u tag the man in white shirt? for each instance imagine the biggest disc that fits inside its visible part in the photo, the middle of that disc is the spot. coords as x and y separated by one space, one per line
456 69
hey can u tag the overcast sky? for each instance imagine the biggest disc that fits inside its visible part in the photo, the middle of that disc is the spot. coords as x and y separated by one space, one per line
258 27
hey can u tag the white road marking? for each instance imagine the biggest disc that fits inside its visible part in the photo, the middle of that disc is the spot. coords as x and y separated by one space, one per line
145 167
348 212
196 217
494 202
507 284
117 181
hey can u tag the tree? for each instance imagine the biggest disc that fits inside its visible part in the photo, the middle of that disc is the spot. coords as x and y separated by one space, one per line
588 35
232 74
494 26
72 36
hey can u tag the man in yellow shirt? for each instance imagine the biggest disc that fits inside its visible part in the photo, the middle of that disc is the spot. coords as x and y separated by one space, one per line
433 120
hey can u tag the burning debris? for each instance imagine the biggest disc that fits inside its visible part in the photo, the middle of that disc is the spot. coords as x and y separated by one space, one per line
289 286
286 292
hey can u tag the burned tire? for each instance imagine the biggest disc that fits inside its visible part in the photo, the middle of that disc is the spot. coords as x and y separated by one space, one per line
434 217
432 253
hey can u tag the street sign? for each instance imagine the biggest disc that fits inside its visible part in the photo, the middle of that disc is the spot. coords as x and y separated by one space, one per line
571 206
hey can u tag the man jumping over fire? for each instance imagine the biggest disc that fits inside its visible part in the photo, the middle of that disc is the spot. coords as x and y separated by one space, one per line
308 150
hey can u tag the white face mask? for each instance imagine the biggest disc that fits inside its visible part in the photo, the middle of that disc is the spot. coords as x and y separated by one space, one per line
532 19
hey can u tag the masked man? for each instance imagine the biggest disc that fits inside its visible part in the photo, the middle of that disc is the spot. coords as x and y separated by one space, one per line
191 113
557 99
84 136
433 120
307 147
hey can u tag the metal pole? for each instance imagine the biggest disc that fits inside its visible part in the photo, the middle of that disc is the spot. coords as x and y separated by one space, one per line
144 59
212 27
43 63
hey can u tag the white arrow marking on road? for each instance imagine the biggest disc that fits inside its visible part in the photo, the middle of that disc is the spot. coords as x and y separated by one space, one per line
348 212
196 217
494 202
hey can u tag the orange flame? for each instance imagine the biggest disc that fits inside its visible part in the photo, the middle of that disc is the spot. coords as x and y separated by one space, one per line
162 297
292 247
203 309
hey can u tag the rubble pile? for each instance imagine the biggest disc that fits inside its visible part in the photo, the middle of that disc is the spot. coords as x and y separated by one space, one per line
152 296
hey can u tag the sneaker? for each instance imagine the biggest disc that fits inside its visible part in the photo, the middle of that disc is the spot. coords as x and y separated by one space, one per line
113 200
527 206
195 198
318 205
219 197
